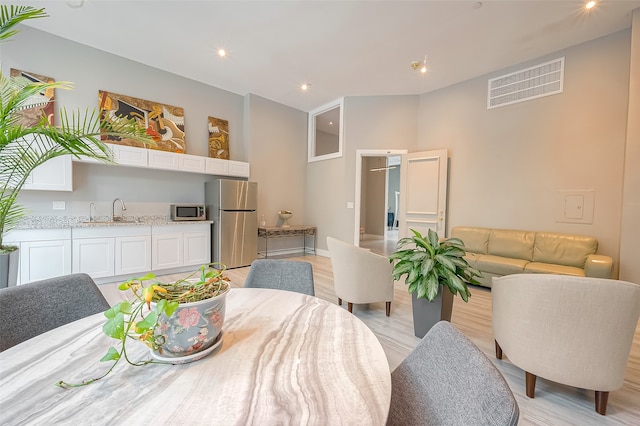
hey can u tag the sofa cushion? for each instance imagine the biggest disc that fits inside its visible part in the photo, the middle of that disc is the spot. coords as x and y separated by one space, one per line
563 249
472 258
476 240
548 268
511 243
501 265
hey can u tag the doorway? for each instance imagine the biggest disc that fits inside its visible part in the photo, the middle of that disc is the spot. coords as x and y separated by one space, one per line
377 199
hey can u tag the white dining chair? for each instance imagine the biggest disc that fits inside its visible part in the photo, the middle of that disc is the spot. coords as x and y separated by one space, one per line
359 275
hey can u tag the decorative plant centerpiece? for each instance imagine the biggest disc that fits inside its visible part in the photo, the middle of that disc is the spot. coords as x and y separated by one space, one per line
180 321
429 264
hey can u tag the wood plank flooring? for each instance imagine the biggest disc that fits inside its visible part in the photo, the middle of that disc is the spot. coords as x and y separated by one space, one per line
554 404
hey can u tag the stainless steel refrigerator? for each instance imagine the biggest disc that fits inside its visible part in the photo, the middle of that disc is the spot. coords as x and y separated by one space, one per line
232 206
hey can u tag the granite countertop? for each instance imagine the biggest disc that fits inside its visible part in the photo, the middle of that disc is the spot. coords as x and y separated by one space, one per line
57 222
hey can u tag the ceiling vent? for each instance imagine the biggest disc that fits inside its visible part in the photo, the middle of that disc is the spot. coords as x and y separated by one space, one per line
531 83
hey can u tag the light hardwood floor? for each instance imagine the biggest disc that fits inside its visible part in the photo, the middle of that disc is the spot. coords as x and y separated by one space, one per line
554 404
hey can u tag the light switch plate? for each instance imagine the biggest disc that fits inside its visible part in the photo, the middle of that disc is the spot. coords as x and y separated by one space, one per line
59 205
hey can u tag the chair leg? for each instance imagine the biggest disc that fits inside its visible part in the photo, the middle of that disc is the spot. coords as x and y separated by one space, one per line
601 402
388 308
498 350
339 301
350 307
530 381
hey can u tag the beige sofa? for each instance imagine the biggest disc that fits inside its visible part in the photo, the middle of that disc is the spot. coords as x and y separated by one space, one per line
499 252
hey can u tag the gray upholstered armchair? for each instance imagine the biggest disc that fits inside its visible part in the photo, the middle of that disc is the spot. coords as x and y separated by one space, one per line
572 330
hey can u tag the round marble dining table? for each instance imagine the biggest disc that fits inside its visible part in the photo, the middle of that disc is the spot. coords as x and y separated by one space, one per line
285 359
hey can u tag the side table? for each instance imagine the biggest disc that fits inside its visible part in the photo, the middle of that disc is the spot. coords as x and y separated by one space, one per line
289 231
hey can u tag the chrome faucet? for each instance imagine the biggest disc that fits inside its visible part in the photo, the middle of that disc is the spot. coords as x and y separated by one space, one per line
92 206
113 210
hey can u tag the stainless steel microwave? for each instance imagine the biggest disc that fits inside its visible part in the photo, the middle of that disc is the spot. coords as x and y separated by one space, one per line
180 212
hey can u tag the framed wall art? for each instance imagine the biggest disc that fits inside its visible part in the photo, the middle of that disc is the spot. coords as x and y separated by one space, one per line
37 106
165 123
218 138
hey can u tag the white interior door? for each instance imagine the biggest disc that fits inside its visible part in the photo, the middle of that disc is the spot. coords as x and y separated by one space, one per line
423 192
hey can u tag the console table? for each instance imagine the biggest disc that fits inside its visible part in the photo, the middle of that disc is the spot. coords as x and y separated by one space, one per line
288 231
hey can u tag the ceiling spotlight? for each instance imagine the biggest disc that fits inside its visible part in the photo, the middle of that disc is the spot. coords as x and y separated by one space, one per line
305 86
222 53
422 66
590 5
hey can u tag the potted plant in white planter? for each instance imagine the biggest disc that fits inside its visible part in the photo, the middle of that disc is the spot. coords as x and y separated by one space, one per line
435 271
23 148
180 322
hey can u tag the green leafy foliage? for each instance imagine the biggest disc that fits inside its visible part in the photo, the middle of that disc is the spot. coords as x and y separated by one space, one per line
427 263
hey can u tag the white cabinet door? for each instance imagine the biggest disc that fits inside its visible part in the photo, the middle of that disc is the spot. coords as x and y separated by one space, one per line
129 155
132 254
216 166
166 251
163 160
191 163
54 175
40 260
238 168
94 256
197 248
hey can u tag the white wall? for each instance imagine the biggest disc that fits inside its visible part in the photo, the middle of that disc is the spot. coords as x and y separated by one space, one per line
370 122
508 163
630 229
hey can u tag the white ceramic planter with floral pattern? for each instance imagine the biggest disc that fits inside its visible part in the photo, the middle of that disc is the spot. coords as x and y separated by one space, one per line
194 327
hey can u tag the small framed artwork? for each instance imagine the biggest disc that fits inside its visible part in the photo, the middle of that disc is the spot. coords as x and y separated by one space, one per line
39 105
218 138
165 123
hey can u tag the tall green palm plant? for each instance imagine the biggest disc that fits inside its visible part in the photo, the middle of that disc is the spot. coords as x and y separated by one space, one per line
22 149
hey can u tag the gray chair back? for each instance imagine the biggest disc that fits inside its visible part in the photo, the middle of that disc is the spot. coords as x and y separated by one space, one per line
291 275
447 380
31 309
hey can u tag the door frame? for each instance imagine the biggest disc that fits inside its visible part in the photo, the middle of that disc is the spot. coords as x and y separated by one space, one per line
360 154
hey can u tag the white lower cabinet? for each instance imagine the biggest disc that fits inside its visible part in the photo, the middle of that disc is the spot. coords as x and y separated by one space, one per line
197 247
43 253
166 251
115 250
132 254
94 256
180 245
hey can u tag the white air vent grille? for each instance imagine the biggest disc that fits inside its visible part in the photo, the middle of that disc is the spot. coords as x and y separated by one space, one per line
542 80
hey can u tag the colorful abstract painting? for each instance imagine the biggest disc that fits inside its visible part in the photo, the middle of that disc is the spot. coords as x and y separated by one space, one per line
39 105
165 123
218 138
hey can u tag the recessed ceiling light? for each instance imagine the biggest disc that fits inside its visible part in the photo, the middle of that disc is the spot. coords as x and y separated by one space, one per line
222 53
305 86
590 4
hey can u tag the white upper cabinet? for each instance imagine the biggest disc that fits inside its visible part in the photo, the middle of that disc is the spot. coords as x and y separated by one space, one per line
130 155
216 166
238 168
191 163
54 175
163 160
